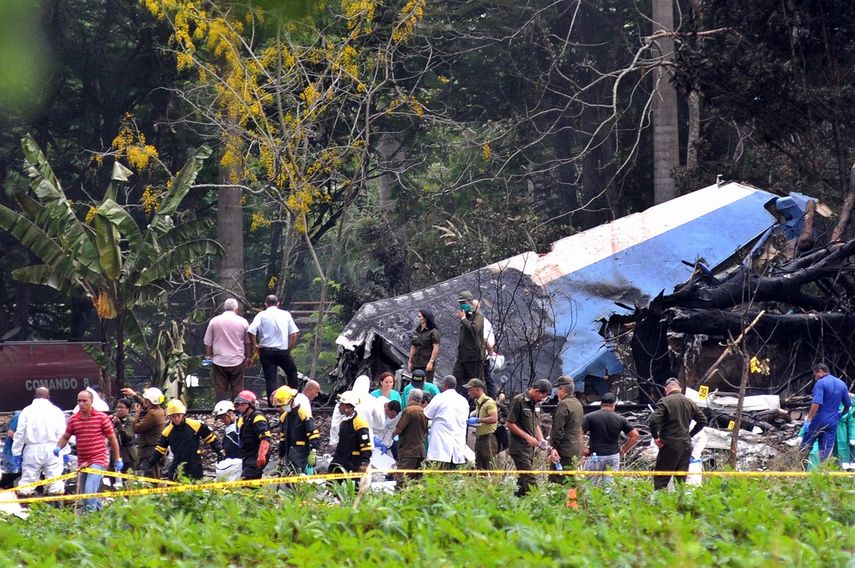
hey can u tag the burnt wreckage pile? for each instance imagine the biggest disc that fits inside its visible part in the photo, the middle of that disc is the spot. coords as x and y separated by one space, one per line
790 303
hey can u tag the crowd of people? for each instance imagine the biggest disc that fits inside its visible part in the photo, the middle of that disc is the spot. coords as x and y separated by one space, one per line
427 425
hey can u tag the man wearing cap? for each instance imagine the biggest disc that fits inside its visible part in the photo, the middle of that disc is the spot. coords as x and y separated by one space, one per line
470 340
412 433
566 435
669 426
604 428
418 382
526 435
485 420
353 452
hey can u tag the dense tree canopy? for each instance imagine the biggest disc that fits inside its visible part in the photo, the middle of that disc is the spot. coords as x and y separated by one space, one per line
363 148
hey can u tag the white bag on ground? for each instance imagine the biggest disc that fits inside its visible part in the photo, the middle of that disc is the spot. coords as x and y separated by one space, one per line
696 465
229 470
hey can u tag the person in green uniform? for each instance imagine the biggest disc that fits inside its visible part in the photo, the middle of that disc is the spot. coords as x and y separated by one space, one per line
669 426
526 435
485 420
566 435
424 344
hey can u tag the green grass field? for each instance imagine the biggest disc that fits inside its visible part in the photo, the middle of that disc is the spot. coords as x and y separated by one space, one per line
454 522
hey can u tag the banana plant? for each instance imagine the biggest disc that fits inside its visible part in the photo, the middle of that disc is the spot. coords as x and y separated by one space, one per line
117 264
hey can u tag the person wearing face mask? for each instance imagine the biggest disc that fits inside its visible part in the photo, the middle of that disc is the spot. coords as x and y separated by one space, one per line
470 341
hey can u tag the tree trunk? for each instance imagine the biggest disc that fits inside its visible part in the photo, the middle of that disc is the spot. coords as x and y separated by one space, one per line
694 130
719 323
391 157
665 135
230 233
120 359
737 421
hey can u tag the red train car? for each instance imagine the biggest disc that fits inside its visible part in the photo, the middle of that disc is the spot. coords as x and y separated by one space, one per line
64 367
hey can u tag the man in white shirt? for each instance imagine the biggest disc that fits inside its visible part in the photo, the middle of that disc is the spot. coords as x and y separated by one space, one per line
274 333
40 427
227 344
310 392
448 412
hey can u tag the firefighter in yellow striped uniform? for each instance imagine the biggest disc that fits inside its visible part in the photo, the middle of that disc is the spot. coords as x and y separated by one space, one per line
298 436
354 441
184 436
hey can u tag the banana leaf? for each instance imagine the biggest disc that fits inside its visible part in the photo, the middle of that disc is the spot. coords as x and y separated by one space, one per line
182 255
162 221
36 240
107 240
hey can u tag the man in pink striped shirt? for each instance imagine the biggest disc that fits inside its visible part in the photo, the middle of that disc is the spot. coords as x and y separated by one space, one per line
91 428
227 344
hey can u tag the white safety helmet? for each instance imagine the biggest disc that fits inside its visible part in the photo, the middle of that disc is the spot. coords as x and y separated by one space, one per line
349 397
153 395
223 407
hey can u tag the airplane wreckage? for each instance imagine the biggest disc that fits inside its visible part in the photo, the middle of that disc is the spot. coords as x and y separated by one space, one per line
623 306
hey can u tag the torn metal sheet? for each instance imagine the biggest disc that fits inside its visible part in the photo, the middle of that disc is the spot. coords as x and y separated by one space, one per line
547 310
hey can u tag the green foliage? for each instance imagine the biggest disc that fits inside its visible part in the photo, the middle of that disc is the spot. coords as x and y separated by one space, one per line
455 522
23 57
107 256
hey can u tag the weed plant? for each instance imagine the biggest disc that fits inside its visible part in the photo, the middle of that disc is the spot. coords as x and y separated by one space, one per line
448 521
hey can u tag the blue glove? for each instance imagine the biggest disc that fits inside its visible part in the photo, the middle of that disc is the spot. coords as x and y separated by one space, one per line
473 421
56 451
118 465
66 458
377 441
17 462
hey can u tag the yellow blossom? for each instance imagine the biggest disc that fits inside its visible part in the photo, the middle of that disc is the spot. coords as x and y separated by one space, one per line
486 152
258 221
150 200
90 215
271 284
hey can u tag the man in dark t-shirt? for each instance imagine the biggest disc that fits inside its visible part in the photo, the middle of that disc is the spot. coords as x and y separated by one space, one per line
604 428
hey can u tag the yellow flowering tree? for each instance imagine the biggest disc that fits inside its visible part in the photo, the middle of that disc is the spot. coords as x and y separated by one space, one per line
298 105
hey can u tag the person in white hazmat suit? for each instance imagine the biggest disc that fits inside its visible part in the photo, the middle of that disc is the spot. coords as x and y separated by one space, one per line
382 416
40 427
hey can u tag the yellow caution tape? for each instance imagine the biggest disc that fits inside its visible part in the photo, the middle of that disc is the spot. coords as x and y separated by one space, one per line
223 485
35 484
131 477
